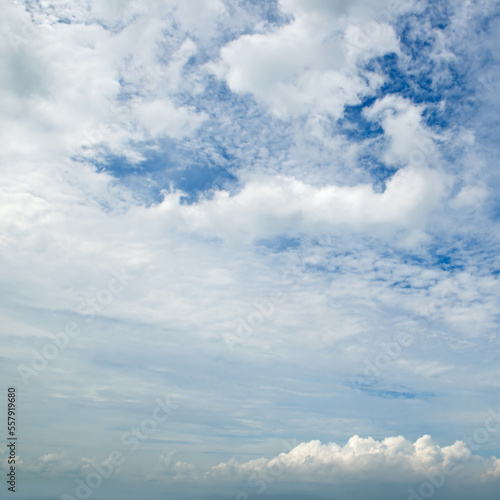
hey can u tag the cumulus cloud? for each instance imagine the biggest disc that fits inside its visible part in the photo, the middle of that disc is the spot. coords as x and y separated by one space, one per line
49 464
270 206
178 470
393 459
409 141
306 66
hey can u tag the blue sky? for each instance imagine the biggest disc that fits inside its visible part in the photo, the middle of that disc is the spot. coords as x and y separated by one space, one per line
250 249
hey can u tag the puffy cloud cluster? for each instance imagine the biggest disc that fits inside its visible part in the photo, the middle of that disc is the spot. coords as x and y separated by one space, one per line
267 207
310 65
393 459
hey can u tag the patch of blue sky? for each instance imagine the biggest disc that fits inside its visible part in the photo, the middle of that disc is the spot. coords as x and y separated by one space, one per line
396 81
196 179
438 14
127 91
434 257
321 270
395 394
167 169
486 21
458 252
444 261
463 100
426 74
416 85
371 387
453 79
266 10
279 244
355 127
379 172
402 285
225 143
438 261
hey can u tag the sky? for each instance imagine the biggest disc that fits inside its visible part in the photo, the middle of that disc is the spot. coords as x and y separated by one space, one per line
249 249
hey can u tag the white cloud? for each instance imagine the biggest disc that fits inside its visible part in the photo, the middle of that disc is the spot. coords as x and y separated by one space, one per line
393 459
62 87
304 66
410 142
470 196
270 206
161 118
425 368
50 464
364 9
